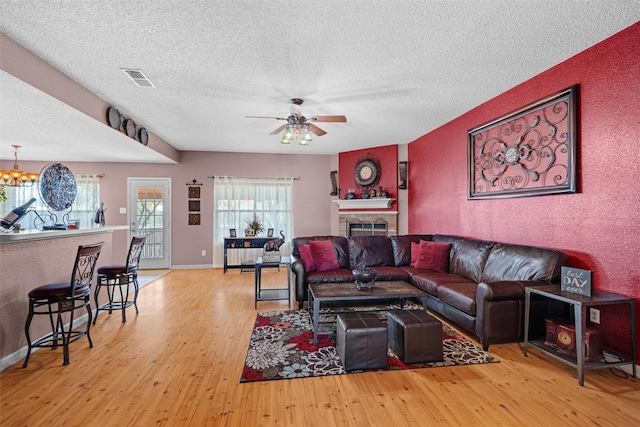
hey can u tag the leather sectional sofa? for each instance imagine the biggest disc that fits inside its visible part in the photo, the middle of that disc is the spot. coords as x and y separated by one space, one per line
482 291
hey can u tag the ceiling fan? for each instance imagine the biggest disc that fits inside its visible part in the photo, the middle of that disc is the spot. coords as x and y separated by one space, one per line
300 126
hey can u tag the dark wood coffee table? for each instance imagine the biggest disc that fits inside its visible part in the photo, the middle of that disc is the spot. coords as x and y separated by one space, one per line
346 292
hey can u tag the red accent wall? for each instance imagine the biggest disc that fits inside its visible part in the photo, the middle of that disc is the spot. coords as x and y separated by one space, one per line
388 157
599 226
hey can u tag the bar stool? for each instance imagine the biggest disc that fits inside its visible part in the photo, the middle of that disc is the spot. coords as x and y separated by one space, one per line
59 298
120 276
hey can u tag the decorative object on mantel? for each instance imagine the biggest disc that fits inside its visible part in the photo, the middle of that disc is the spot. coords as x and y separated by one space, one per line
15 177
194 201
334 183
126 126
402 175
351 194
529 152
367 171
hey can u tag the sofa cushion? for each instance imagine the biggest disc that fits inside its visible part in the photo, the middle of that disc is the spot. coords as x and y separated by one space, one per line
433 256
429 280
307 258
459 295
369 251
468 258
338 275
516 262
324 255
402 247
386 273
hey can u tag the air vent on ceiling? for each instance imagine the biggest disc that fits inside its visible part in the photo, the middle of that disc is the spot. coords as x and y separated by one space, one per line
138 77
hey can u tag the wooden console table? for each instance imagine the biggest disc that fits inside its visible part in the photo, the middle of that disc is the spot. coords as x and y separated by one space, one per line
243 243
580 305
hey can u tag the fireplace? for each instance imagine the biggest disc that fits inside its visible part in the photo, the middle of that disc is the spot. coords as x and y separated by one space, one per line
368 223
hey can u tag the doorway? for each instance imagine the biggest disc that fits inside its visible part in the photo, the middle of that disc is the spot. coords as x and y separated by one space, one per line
150 214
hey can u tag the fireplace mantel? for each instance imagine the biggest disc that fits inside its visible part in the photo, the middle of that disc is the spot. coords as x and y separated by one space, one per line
373 203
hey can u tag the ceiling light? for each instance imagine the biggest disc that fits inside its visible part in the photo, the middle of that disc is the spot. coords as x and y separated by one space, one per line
15 177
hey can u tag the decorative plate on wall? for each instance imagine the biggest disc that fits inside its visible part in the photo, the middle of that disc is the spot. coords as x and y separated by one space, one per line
367 172
57 187
113 116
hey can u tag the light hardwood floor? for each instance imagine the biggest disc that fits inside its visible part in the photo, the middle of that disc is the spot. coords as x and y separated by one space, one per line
178 363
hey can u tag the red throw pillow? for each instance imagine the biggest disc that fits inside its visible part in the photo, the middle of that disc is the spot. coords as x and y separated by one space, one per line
307 258
434 256
415 252
324 256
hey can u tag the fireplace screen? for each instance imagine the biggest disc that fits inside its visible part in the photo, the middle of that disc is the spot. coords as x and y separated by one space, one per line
371 228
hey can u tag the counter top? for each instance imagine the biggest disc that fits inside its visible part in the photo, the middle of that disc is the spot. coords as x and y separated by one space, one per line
30 235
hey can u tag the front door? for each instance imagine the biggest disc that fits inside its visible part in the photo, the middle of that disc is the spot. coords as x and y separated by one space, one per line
150 215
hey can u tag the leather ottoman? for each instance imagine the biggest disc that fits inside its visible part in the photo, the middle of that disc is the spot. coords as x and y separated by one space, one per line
415 336
361 341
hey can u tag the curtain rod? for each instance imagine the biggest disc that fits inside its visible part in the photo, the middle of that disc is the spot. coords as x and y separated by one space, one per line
250 177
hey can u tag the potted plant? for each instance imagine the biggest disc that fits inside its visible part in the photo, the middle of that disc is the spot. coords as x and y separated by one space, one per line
255 225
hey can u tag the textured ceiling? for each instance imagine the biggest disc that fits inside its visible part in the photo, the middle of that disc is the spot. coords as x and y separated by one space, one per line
396 69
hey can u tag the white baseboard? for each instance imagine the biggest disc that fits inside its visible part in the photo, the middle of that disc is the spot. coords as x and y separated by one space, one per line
191 266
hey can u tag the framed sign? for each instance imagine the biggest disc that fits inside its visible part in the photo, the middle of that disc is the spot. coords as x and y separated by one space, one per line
575 281
529 152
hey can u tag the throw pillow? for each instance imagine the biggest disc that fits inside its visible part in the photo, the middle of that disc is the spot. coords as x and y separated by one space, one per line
324 256
415 252
307 258
434 256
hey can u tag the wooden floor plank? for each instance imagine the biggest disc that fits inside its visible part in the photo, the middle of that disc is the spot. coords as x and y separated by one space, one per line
178 363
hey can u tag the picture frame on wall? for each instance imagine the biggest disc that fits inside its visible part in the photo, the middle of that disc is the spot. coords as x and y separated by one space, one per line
529 152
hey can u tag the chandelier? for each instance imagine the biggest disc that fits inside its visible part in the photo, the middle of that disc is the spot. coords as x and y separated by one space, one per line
15 177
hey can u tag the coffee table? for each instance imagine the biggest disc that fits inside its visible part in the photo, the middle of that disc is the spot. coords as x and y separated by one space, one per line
320 293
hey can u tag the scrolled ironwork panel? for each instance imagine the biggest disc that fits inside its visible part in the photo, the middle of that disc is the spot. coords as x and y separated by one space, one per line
529 152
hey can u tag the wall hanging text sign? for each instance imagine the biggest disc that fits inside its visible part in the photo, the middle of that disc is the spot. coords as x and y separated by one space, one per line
576 281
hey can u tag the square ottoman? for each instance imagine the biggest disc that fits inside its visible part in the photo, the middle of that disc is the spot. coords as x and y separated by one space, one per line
361 341
415 336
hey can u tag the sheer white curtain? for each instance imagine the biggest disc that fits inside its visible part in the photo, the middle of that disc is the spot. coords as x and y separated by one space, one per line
84 207
237 199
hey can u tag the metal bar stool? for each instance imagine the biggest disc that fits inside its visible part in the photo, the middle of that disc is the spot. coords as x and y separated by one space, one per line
59 298
122 277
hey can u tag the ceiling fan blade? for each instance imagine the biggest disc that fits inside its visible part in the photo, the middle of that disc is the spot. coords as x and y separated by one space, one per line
265 117
328 119
277 131
315 129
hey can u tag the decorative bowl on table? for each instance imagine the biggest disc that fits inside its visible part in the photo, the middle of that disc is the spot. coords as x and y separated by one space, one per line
365 277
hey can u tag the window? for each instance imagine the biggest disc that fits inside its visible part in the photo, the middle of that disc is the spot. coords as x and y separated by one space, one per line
236 200
83 209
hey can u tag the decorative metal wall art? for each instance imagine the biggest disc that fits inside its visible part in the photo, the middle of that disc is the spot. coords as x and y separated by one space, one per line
402 175
194 201
529 152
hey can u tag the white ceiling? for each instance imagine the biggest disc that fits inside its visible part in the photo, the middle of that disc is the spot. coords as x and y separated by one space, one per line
396 69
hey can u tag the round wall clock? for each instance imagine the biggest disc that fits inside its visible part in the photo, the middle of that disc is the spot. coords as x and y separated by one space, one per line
367 172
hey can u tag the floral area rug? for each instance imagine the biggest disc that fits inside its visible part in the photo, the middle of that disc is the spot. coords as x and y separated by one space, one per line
281 347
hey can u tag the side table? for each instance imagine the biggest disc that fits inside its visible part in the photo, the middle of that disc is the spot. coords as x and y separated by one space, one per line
580 305
272 294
